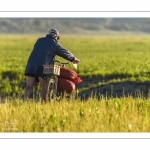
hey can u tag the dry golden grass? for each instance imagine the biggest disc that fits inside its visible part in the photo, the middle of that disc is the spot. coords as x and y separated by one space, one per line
111 115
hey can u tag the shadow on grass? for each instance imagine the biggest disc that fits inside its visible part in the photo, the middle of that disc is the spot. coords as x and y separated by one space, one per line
118 90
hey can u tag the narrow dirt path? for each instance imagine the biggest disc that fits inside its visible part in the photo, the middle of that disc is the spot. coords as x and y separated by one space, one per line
119 89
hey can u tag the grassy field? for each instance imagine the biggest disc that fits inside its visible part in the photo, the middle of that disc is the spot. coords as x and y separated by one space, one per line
111 115
121 57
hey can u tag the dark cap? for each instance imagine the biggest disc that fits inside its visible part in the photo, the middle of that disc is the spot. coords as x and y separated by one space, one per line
54 31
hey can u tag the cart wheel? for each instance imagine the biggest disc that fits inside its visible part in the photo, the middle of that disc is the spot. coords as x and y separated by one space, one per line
52 88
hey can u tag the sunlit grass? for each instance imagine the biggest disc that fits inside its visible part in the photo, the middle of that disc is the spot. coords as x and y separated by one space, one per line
120 57
107 115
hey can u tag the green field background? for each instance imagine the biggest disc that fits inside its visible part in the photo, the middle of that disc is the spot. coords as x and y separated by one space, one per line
120 57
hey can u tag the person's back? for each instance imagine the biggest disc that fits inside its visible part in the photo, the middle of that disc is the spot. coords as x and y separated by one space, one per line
44 52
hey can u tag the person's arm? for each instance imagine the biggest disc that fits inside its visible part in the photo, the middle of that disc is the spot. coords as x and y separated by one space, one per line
66 54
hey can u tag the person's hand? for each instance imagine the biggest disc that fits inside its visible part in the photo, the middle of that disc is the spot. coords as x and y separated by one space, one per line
76 61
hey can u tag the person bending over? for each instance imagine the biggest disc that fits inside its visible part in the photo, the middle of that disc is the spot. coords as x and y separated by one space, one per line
44 51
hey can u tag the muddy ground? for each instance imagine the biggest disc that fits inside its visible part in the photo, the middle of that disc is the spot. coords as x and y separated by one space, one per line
113 90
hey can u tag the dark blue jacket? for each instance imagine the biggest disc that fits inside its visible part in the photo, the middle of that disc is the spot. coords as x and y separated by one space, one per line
44 52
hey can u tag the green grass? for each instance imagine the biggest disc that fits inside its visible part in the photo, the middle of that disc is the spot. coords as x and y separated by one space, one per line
107 115
119 57
100 57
